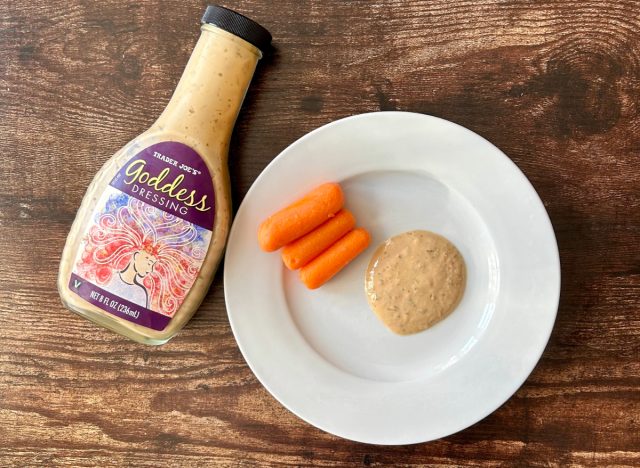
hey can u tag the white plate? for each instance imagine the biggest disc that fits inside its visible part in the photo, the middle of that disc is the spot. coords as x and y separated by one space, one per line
324 355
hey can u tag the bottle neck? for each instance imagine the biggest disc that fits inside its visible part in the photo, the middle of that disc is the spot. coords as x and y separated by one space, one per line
206 102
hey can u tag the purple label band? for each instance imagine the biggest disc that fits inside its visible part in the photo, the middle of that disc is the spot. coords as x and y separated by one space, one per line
172 177
116 305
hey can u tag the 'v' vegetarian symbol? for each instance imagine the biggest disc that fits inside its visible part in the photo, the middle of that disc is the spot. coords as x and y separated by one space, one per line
76 284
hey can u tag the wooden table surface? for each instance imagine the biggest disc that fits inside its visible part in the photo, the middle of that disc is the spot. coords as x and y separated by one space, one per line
554 84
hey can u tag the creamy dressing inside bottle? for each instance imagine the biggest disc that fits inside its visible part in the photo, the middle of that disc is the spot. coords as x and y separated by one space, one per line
152 226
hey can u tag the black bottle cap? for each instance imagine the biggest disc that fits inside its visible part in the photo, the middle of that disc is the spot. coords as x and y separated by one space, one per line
238 24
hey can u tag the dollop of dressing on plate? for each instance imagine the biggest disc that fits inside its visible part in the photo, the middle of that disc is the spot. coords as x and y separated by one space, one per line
414 280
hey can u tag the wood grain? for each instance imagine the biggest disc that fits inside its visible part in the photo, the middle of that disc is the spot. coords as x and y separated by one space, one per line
554 84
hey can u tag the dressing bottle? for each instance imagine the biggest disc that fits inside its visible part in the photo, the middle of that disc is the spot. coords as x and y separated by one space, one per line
152 226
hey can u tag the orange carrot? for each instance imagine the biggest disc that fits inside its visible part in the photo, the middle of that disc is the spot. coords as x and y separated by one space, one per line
302 251
300 217
335 258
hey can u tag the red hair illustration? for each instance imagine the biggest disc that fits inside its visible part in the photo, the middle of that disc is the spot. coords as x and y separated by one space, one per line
165 250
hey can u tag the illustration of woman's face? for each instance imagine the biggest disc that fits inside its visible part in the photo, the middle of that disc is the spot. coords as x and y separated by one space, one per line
143 262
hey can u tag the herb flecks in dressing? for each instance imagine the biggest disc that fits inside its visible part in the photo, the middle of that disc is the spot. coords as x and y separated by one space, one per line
414 280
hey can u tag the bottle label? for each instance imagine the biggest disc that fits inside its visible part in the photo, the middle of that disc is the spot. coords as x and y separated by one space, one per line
148 236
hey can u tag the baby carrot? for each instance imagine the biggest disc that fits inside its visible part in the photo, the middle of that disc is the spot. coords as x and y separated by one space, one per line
335 258
303 250
300 217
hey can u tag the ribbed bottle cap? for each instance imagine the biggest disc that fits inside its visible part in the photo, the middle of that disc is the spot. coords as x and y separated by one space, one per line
238 24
